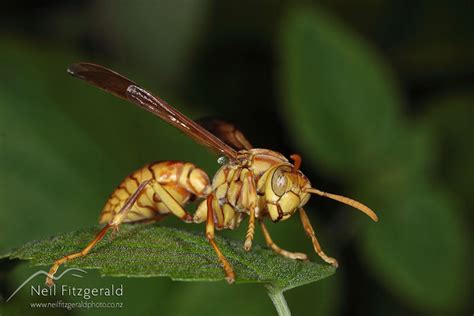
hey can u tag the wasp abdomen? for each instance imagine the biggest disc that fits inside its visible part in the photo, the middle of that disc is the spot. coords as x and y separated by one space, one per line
183 180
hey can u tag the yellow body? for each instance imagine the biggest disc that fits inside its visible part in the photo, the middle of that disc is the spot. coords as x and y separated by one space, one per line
277 194
183 181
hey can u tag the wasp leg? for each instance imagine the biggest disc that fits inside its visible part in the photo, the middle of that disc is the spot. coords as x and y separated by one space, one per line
82 253
251 200
112 224
171 202
283 252
230 275
165 197
250 230
310 232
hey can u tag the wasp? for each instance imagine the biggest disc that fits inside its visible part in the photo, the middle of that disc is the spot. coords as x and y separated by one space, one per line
252 182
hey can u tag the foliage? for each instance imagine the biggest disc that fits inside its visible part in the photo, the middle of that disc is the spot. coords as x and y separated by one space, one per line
152 250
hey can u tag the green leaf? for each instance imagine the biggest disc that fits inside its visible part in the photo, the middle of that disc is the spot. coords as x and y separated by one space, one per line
419 247
149 43
152 250
450 120
339 98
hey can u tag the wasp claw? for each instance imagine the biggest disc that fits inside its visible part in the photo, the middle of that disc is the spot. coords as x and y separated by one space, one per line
332 262
230 279
49 282
248 245
300 256
115 230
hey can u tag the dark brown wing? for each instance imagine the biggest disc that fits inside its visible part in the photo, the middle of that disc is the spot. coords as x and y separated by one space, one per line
124 88
226 131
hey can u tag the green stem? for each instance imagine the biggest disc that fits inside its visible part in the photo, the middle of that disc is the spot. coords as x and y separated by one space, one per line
276 295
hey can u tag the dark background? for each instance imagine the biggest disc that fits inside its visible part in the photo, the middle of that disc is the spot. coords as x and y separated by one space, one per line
377 96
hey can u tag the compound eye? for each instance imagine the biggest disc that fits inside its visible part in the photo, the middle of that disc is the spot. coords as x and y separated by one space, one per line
279 182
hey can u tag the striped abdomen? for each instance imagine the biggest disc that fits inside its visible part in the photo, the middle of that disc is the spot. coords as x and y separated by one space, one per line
183 180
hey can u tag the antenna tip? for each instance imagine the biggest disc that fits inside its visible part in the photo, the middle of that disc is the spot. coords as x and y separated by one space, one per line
375 218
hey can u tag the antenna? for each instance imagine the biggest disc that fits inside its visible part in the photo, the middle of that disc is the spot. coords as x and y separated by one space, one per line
361 207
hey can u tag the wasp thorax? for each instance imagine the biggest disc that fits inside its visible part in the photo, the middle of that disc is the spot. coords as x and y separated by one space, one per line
285 191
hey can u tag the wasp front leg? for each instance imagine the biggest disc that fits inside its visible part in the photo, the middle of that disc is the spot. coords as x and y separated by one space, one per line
249 200
310 232
278 250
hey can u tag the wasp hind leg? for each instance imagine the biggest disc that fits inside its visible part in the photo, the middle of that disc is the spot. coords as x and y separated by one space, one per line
278 250
119 217
114 223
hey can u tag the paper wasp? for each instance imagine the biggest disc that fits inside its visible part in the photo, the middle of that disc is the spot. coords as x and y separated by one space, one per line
254 182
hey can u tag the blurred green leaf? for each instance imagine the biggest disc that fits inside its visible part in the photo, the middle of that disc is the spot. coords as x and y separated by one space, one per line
419 247
40 148
218 299
340 101
160 36
449 119
321 298
342 107
152 250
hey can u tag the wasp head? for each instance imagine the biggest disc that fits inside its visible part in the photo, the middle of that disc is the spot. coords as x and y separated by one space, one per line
287 189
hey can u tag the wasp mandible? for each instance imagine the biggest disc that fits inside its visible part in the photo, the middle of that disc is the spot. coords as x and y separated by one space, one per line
255 183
